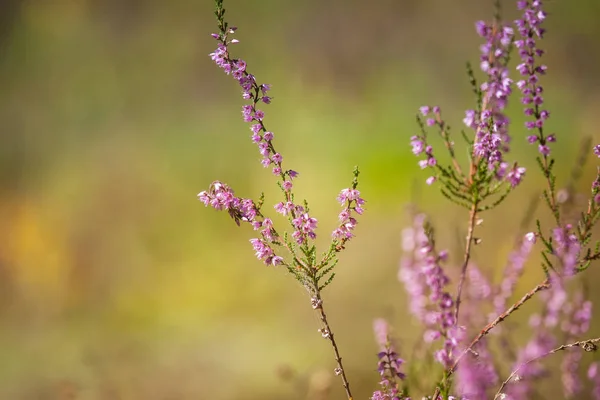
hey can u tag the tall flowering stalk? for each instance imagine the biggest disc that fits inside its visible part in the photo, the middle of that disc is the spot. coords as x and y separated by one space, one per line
425 279
302 261
489 178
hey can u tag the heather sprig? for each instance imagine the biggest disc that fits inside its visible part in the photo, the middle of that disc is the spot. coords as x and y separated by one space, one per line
425 279
564 243
489 179
312 271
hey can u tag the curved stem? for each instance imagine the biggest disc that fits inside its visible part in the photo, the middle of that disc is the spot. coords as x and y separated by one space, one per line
544 285
587 345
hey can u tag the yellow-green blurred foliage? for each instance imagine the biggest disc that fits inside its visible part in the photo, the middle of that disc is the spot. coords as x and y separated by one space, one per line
116 283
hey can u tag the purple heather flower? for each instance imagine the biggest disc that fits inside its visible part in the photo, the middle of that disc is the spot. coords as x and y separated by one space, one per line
221 197
256 138
352 202
251 91
381 330
597 150
277 158
284 208
491 125
349 195
304 225
544 150
256 128
530 237
529 28
410 273
389 365
268 136
541 343
426 282
418 146
470 119
476 375
265 253
515 175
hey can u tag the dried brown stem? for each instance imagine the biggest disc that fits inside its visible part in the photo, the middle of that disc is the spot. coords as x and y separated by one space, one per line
328 334
542 286
586 345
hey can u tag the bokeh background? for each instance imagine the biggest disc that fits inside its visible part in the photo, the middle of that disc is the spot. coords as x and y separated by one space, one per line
116 283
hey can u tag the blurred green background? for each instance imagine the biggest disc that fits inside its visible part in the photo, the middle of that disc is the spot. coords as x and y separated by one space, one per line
116 283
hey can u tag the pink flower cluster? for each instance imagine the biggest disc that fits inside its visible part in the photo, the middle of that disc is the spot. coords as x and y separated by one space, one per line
256 93
221 197
423 275
491 124
352 202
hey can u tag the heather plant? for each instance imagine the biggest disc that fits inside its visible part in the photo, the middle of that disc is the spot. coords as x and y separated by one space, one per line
465 316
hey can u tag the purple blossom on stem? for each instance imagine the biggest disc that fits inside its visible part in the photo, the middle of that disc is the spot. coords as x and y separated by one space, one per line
265 253
491 124
530 29
304 225
420 146
597 150
422 273
476 375
353 204
515 175
221 197
250 113
410 273
541 343
389 364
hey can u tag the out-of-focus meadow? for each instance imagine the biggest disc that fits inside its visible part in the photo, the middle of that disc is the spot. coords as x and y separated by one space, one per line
116 283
